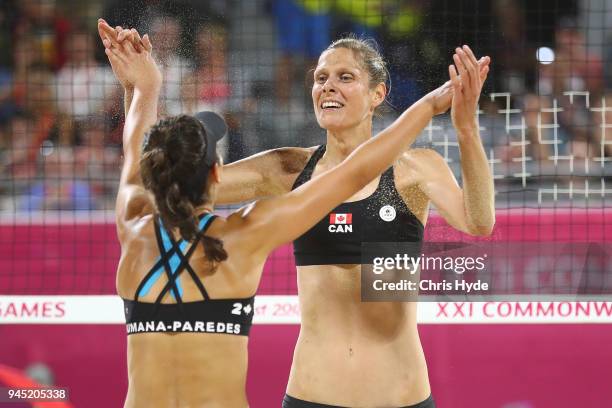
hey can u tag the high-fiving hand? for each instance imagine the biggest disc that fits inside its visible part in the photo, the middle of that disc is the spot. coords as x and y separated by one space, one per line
466 78
130 60
442 97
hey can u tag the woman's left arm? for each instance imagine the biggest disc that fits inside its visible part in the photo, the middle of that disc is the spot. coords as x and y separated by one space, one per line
478 190
471 209
136 67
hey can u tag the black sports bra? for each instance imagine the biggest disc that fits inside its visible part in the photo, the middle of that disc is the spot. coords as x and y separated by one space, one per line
223 316
337 238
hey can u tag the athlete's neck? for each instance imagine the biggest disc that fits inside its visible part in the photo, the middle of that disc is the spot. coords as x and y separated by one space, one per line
341 143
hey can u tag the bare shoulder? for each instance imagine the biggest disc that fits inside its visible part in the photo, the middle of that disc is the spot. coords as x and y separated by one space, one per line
264 174
134 204
274 162
292 159
134 234
288 163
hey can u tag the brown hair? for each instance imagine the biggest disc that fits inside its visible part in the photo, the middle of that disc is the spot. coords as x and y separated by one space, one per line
366 52
173 169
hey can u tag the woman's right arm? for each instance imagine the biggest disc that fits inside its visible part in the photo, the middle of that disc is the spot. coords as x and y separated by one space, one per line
266 174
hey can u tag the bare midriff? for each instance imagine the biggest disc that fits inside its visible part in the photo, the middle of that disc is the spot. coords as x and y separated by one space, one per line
186 370
354 353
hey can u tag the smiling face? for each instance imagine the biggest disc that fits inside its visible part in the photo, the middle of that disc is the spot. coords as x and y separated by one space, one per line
342 94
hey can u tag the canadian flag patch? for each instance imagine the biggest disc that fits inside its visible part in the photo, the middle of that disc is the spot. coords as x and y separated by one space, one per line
340 219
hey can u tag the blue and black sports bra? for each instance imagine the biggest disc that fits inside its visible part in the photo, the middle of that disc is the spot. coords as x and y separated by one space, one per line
224 316
337 239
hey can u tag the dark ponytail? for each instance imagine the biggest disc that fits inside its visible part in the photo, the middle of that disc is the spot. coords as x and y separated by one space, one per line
173 170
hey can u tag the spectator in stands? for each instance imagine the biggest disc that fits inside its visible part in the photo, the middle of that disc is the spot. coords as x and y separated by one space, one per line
602 127
47 30
207 86
515 75
575 68
35 95
608 62
553 111
18 159
61 187
539 124
166 33
7 106
8 19
98 161
9 16
84 87
494 134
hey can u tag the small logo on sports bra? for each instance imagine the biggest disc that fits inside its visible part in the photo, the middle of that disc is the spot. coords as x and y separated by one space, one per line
387 213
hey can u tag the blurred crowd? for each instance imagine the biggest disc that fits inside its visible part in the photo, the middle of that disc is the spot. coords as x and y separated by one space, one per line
61 110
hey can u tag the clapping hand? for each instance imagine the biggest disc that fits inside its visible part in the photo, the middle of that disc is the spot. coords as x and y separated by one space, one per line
130 60
466 80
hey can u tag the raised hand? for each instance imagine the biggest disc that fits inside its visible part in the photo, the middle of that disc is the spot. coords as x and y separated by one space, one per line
442 97
133 36
132 65
466 79
120 34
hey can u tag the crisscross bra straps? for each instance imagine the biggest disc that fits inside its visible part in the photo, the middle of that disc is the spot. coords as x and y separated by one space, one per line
228 316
